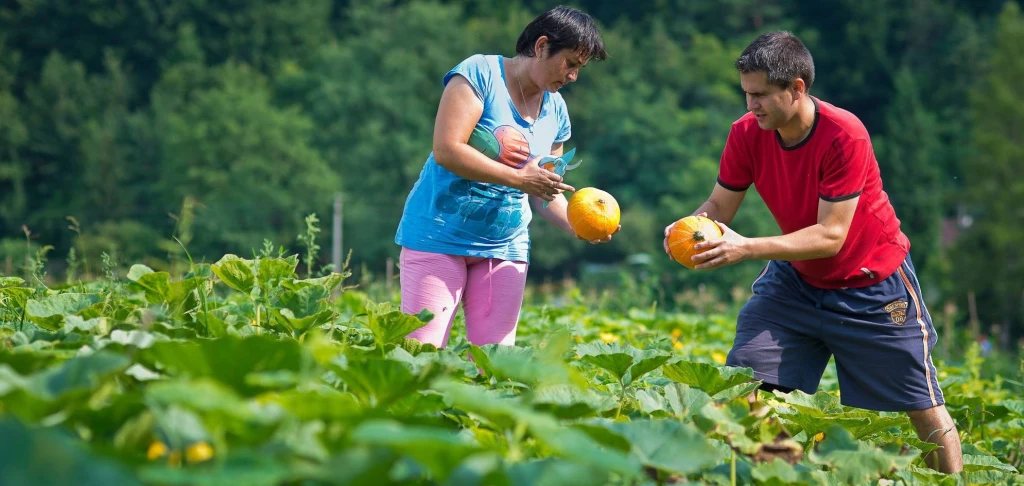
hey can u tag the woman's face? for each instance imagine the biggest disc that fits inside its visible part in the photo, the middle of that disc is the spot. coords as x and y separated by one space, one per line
552 71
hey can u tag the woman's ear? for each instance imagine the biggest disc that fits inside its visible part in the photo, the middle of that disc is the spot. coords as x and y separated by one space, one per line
540 47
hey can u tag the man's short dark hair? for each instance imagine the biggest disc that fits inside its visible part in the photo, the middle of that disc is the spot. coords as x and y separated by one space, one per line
781 56
566 28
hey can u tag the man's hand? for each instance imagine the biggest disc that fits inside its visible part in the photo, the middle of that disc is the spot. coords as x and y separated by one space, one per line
730 249
668 229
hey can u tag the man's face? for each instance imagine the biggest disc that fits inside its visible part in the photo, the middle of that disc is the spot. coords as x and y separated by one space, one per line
773 106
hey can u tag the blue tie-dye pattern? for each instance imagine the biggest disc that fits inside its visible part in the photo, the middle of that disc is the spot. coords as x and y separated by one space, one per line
448 214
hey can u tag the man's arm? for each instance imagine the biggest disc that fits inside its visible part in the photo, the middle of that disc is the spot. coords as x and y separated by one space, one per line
820 240
722 205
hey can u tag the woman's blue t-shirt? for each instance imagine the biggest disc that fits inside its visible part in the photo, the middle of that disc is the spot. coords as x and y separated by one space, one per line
447 214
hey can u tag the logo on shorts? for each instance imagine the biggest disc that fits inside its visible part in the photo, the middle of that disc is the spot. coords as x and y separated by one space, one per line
897 311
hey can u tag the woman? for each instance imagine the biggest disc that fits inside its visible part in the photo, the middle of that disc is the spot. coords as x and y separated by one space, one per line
464 232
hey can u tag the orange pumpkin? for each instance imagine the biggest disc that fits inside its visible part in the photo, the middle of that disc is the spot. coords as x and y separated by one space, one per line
686 233
593 214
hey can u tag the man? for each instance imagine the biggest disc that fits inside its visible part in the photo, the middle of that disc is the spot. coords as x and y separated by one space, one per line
839 280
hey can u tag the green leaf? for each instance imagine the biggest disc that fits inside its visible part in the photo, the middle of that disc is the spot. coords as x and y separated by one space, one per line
358 465
379 382
599 429
578 446
501 411
240 467
235 273
14 298
391 326
741 390
204 395
320 404
668 445
137 270
555 472
329 282
651 402
611 358
271 271
78 374
569 402
626 363
776 473
11 282
853 461
178 427
506 362
36 456
708 377
287 319
48 312
684 400
439 450
975 462
228 360
157 286
817 413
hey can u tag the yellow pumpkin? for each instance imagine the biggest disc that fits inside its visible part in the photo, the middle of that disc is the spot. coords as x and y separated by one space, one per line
593 214
686 233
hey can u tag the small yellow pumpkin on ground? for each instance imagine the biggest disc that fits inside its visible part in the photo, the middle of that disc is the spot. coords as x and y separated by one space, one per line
686 233
198 452
593 214
156 450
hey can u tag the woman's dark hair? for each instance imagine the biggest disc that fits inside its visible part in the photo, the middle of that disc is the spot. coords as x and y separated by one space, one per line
565 28
781 56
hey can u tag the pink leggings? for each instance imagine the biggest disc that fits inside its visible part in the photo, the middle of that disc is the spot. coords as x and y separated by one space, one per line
490 290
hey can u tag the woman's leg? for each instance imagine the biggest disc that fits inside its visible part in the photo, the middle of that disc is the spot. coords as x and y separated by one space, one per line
434 282
494 298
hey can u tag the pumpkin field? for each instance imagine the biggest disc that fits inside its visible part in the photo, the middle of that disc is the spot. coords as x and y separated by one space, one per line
246 372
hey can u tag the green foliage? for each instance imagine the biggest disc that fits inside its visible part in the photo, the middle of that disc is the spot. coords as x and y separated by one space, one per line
114 385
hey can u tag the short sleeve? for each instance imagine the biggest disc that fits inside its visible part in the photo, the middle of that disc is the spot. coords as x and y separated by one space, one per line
477 71
735 169
844 170
564 125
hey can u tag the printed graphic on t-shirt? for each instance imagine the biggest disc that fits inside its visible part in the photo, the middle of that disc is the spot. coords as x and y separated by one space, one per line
479 202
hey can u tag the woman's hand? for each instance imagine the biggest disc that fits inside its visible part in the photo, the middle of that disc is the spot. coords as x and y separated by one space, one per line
539 182
602 240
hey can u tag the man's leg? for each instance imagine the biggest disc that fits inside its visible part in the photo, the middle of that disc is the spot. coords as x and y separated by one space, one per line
936 426
777 333
882 338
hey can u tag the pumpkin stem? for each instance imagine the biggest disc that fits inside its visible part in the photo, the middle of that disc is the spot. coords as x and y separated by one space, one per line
698 235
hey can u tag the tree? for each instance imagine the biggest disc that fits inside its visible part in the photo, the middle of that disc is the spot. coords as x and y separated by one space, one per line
989 256
249 164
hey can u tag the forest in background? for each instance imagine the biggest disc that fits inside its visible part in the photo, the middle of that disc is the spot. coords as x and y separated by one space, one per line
128 125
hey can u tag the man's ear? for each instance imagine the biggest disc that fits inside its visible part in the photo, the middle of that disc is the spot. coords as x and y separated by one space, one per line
799 87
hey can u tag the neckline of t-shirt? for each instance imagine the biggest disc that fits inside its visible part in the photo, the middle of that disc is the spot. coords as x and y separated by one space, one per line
814 125
515 110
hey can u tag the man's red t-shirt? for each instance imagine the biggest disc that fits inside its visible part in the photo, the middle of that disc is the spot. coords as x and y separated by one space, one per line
834 163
